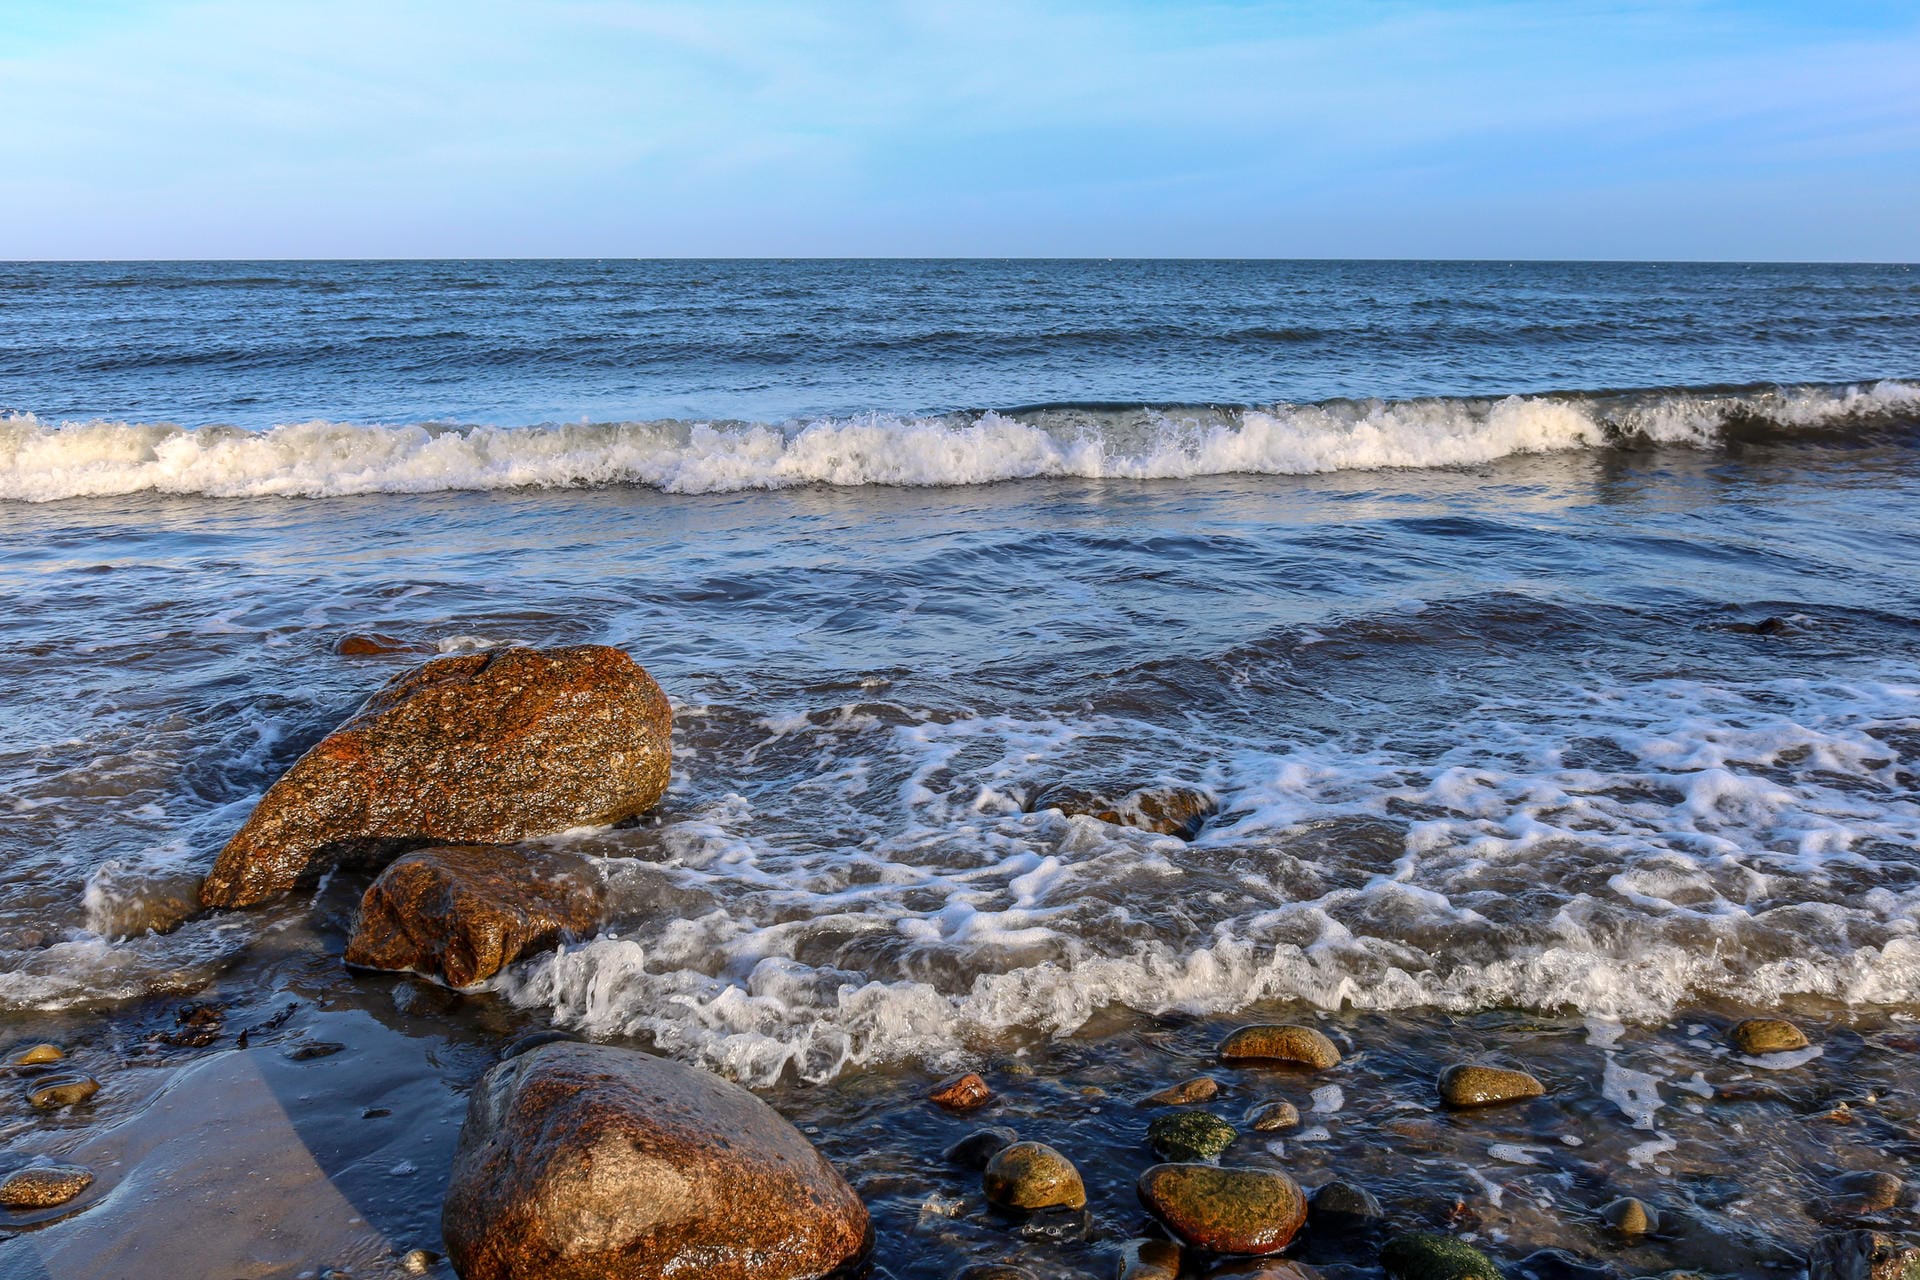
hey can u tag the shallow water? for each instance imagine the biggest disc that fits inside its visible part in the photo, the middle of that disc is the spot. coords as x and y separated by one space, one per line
1571 751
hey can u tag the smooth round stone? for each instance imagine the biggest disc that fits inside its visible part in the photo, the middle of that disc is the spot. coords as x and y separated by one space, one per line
62 1091
961 1093
980 1146
1230 1210
1148 1260
1301 1046
1756 1036
1032 1175
1424 1255
1341 1208
1476 1086
1869 1191
1190 1135
1630 1217
43 1186
38 1055
1186 1093
1268 1116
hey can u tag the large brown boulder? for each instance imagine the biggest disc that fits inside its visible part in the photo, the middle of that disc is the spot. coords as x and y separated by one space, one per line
483 748
462 913
586 1162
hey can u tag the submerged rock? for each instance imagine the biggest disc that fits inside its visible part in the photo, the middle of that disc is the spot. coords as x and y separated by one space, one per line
1148 1260
43 1186
961 1093
1630 1217
1302 1046
1466 1086
1032 1175
38 1055
979 1147
1862 1255
1425 1255
1167 811
368 644
1268 1116
1190 1135
462 913
1867 1191
1756 1036
484 748
1231 1210
1198 1089
1344 1208
586 1162
62 1091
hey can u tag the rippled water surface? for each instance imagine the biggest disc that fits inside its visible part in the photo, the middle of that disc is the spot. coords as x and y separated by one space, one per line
1566 728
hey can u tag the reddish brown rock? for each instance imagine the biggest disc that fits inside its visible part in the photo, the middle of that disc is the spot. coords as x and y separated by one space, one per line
484 748
586 1162
43 1186
1300 1046
1230 1210
370 644
1187 1092
461 913
961 1093
1168 811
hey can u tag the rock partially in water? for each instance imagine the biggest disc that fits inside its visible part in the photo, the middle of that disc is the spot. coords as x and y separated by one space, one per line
1862 1255
961 1093
55 1092
1186 1136
1148 1260
1864 1192
484 748
1341 1208
582 1161
1426 1255
1266 1117
534 1039
1300 1046
37 1055
369 644
979 1147
462 913
1470 1085
1224 1210
1755 1036
1167 811
1558 1264
1032 1175
418 1262
1187 1092
1630 1217
43 1186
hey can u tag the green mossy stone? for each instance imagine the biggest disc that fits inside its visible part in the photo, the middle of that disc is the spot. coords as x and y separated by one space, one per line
1190 1136
1423 1255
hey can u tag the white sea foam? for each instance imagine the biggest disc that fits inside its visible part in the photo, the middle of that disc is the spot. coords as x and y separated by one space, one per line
42 461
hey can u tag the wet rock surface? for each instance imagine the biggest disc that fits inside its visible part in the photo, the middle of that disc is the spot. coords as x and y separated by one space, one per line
1283 1043
461 913
1758 1036
1266 1117
1233 1210
1862 1255
583 1161
1426 1255
43 1186
50 1093
980 1146
1470 1085
1148 1260
485 748
1186 1093
1167 811
961 1093
1186 1136
1032 1175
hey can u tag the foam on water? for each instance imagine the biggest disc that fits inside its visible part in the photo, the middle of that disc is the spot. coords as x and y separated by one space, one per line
44 461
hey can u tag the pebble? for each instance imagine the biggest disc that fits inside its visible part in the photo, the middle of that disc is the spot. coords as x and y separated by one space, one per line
1342 1208
1302 1046
1032 1175
1148 1260
1230 1210
1468 1085
417 1262
1630 1217
1268 1116
962 1093
980 1146
43 1186
62 1091
1198 1089
1190 1135
1767 1035
1869 1191
38 1055
1425 1255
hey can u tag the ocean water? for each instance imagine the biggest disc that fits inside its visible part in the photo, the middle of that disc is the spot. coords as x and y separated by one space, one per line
1548 635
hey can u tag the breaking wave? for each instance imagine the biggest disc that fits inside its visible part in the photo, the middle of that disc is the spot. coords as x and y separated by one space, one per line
45 461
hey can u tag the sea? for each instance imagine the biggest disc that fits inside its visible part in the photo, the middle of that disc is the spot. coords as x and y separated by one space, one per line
1547 636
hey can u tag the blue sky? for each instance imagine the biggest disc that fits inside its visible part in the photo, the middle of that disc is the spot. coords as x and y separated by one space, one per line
1358 128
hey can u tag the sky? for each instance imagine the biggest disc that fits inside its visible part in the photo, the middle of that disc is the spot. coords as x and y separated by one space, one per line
1690 129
